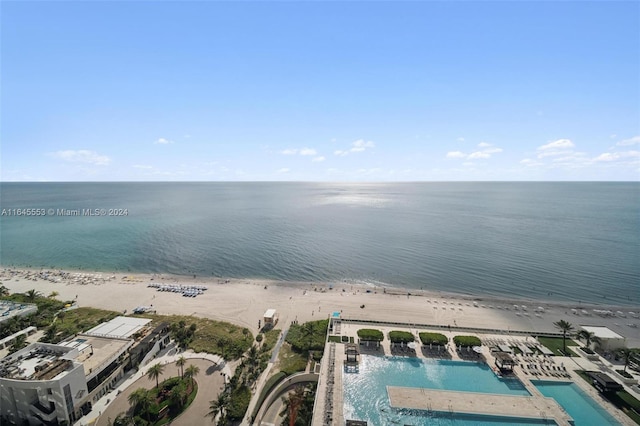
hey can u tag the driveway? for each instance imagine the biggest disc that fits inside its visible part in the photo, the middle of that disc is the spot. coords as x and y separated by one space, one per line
210 383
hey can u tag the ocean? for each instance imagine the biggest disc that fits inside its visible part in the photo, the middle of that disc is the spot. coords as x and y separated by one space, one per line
548 241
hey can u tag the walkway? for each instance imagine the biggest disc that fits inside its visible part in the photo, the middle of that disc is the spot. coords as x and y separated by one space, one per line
102 410
532 407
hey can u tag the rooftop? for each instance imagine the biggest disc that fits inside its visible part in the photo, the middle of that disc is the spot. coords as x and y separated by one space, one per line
38 361
602 332
119 327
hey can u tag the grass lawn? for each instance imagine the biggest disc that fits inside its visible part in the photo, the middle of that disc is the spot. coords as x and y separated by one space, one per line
214 337
555 344
83 319
290 361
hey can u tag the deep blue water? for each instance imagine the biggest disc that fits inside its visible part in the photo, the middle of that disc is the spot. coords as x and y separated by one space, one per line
560 241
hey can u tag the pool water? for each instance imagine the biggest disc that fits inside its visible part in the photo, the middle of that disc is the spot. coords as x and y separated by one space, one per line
584 410
365 393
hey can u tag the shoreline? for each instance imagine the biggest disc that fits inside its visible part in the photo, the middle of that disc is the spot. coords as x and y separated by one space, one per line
243 302
397 290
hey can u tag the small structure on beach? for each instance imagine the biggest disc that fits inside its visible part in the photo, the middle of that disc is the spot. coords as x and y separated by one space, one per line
609 339
270 317
504 361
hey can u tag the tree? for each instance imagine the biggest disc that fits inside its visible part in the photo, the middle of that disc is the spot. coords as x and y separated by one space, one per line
588 337
178 395
123 419
566 328
218 406
53 295
141 399
61 316
180 363
154 372
3 290
626 355
50 333
18 343
192 372
298 406
32 294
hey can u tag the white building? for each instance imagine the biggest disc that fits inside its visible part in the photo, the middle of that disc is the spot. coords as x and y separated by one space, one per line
47 384
609 339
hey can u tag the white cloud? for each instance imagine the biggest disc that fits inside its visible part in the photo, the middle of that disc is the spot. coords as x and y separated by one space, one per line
460 139
615 156
308 151
142 166
163 141
631 141
482 154
360 145
478 155
82 156
284 170
289 152
556 148
318 159
456 154
613 136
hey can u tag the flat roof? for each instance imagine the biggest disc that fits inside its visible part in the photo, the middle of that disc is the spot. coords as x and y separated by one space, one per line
269 313
602 332
122 327
104 348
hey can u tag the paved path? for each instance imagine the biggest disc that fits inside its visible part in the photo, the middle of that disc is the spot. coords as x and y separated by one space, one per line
108 407
210 383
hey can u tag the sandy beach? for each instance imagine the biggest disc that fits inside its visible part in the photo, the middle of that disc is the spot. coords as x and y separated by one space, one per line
244 301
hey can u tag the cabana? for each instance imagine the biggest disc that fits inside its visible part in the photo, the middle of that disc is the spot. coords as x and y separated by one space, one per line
604 383
504 361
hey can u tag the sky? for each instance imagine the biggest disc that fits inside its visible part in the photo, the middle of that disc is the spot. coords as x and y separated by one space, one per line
320 91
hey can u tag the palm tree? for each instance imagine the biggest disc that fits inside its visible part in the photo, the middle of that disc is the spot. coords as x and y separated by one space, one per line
32 294
180 363
142 399
53 295
588 337
3 290
61 315
192 371
123 419
218 406
292 405
18 343
50 333
626 355
178 395
567 329
154 372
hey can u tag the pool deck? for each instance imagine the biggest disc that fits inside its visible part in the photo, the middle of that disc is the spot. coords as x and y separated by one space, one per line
533 407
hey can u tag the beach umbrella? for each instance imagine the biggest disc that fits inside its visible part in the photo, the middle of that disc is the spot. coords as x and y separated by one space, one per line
477 349
412 345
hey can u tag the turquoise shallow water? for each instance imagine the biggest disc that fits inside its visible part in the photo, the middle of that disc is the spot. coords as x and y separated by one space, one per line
557 241
584 410
365 395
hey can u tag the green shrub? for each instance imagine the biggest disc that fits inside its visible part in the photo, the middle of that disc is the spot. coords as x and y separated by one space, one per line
259 338
371 334
308 336
238 403
401 337
433 338
467 341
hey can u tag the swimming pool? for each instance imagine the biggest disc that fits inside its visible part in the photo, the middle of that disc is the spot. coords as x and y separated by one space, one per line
365 392
584 410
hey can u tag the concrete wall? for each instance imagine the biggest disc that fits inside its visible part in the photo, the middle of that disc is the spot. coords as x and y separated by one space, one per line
276 393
